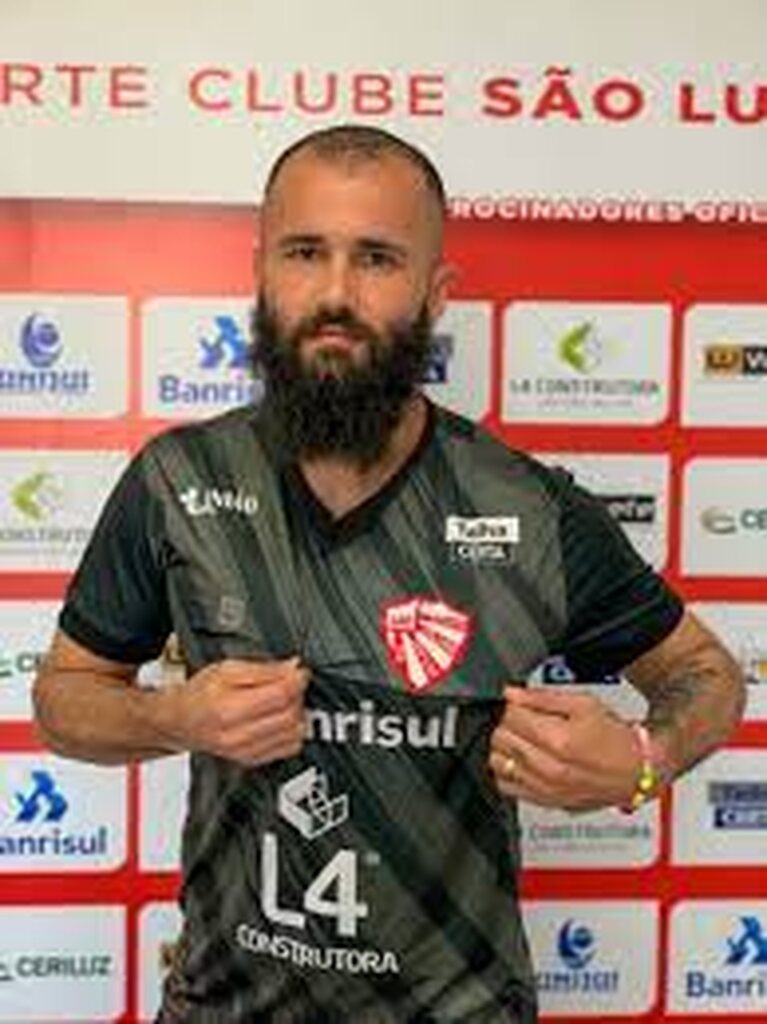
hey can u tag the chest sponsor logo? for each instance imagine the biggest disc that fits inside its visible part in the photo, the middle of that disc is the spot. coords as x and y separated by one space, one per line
324 913
482 540
425 639
209 501
365 727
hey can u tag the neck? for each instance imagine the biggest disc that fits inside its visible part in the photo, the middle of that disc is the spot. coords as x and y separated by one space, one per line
341 484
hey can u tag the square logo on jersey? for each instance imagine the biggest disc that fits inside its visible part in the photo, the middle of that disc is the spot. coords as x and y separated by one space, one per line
425 639
482 540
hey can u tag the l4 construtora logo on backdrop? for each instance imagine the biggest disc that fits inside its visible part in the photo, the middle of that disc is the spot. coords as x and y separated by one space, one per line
568 362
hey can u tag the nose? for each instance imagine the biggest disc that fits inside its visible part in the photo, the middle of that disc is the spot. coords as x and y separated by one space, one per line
339 286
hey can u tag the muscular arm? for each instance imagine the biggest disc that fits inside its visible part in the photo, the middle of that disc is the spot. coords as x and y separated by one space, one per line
695 692
569 750
90 708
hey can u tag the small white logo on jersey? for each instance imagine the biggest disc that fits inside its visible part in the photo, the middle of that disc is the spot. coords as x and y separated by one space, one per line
209 501
305 804
482 540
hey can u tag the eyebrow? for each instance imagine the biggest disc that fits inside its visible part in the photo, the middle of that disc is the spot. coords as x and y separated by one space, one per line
367 242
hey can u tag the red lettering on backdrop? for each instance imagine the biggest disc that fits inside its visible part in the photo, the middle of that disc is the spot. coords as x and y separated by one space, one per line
733 105
372 94
327 102
503 97
426 95
200 83
255 103
73 75
557 98
618 100
21 79
687 109
128 87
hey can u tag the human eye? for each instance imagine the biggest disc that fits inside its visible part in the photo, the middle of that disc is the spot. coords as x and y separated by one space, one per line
303 251
379 258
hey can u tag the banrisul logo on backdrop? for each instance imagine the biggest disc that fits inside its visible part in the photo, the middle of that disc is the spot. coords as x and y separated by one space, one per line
725 366
60 816
196 357
588 363
584 966
49 502
63 355
718 962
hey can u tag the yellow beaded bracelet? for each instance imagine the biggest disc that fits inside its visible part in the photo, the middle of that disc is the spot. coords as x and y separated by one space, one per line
649 779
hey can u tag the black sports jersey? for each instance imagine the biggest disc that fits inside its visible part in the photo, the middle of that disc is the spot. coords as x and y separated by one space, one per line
372 878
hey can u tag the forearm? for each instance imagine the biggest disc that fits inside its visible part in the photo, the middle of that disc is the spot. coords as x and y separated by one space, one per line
695 701
96 718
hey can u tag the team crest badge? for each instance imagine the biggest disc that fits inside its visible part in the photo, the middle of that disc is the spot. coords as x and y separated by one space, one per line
425 639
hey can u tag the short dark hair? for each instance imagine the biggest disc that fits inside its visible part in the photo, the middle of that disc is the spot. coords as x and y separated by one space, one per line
366 143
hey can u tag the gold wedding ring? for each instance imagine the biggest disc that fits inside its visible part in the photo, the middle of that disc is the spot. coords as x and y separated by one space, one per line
509 768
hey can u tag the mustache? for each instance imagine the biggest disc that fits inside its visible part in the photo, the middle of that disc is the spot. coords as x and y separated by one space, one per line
343 319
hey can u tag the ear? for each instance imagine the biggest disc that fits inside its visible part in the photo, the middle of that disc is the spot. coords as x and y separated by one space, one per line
443 276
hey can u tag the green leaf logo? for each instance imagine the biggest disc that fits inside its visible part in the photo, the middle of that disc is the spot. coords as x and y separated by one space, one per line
37 496
581 348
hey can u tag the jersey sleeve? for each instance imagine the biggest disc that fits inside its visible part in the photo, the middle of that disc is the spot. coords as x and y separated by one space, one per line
116 604
618 607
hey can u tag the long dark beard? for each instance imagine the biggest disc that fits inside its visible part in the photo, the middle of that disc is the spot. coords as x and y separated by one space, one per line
337 407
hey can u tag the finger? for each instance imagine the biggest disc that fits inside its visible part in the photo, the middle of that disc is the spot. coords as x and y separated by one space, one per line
274 728
531 763
260 753
514 780
549 701
546 731
259 673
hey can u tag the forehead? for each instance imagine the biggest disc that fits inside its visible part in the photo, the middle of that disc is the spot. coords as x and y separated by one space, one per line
351 194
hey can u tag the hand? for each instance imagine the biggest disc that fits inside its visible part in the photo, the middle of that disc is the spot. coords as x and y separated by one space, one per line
566 750
246 711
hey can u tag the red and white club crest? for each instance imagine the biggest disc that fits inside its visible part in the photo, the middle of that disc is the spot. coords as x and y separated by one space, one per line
425 639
